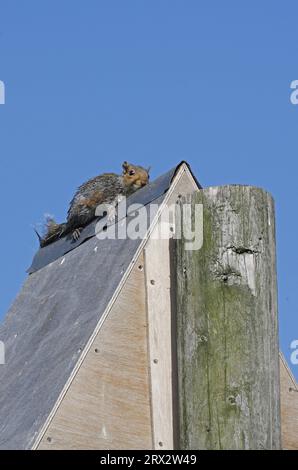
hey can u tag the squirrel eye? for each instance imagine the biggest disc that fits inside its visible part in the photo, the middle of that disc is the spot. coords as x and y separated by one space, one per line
131 172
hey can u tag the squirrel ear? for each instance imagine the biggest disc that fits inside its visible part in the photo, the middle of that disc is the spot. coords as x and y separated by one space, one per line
125 165
148 169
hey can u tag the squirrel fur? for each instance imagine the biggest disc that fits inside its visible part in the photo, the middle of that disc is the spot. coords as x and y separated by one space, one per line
103 189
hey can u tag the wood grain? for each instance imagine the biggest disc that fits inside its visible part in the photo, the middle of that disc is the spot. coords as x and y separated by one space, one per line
160 348
228 360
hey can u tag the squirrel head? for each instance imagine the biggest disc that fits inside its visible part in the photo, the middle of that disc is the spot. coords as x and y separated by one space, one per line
135 176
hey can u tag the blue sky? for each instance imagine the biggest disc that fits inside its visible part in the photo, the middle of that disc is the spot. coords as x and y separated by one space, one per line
90 84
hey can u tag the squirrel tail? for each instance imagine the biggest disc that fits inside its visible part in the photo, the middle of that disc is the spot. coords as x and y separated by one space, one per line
53 231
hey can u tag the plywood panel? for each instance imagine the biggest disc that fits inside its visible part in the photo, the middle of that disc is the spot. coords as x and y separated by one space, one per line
289 407
108 403
159 319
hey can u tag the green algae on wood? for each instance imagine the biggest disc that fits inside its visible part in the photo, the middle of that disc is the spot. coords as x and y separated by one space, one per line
227 329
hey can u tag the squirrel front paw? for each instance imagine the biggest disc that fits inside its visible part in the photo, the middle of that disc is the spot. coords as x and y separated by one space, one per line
76 234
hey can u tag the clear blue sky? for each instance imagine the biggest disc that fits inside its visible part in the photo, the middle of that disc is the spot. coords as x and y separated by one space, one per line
89 84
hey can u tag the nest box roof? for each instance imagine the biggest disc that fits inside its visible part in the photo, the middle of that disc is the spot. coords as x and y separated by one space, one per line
53 318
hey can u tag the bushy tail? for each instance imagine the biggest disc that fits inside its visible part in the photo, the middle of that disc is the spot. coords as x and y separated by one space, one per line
53 231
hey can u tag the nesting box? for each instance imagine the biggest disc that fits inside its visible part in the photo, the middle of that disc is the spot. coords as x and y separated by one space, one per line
90 360
89 357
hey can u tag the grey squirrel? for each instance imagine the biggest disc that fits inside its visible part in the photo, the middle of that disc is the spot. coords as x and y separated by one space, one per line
103 189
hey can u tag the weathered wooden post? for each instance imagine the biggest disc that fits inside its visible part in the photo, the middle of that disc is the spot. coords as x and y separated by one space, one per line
227 329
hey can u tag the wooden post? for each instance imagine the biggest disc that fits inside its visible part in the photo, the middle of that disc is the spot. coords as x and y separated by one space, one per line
227 329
